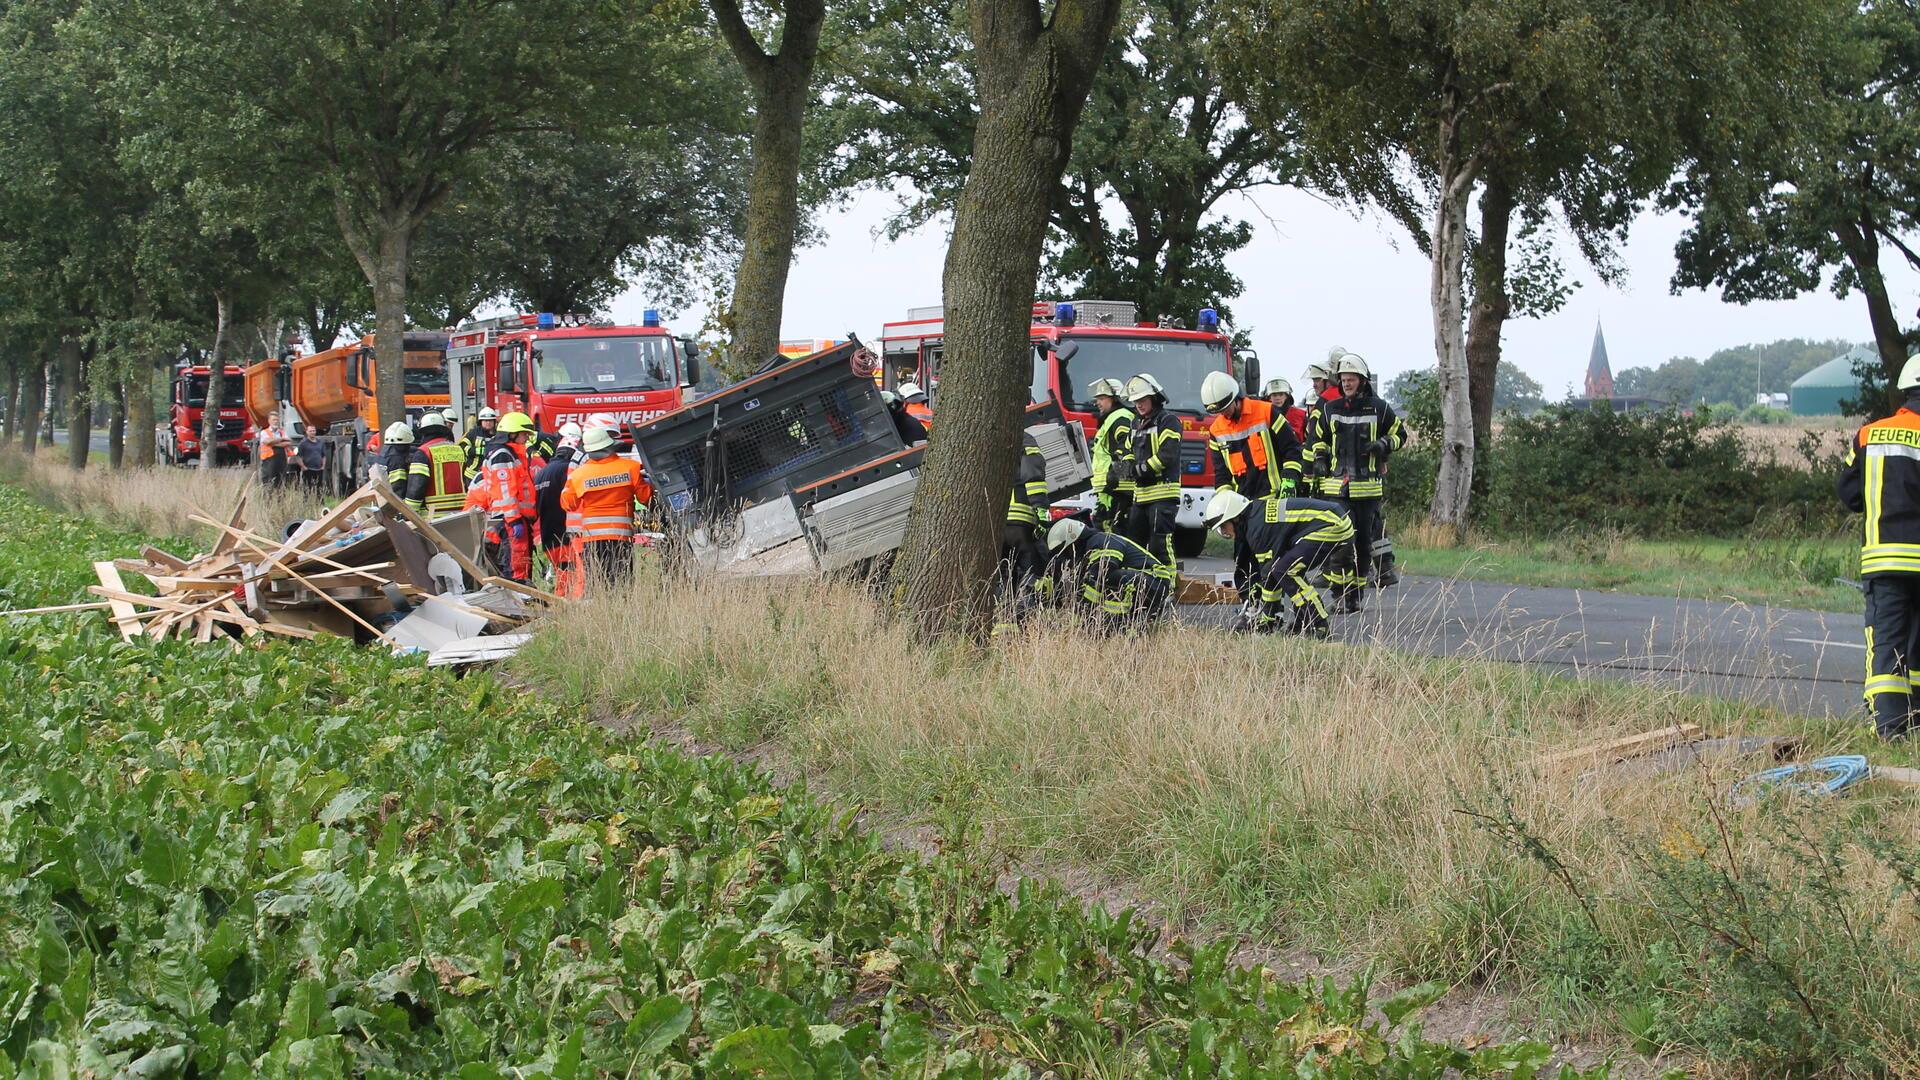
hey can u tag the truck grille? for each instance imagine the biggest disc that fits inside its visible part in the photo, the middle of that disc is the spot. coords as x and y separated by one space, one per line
232 429
1193 457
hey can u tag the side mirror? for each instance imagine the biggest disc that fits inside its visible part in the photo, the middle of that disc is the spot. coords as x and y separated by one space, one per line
509 369
1067 351
689 363
1250 371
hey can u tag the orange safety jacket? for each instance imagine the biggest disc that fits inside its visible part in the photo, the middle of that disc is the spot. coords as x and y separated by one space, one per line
512 479
1256 443
269 438
604 491
922 412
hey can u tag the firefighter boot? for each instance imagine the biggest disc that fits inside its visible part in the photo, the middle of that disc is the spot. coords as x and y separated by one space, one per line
1384 573
1309 623
1347 599
1892 715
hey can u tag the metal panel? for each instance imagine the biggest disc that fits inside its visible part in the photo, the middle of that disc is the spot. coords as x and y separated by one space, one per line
862 523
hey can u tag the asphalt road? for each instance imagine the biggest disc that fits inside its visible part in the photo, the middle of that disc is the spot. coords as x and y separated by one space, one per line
96 441
1809 662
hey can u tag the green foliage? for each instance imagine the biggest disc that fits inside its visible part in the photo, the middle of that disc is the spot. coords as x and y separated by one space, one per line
1417 395
319 860
1730 376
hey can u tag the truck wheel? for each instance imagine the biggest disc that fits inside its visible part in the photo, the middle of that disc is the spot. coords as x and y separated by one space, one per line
1189 543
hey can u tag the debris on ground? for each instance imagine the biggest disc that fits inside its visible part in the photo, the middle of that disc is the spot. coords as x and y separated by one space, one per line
1630 746
371 568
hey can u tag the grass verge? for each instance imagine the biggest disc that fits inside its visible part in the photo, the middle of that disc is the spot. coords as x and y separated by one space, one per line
313 860
1357 801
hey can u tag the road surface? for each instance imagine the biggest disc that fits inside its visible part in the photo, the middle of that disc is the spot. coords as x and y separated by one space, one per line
1808 662
96 442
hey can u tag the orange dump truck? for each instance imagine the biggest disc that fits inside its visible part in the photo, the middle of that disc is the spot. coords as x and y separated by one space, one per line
335 396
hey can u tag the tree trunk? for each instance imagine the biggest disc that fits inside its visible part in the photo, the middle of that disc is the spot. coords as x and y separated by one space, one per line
140 414
1033 81
781 89
390 318
117 426
1862 246
1453 486
32 404
11 401
1491 306
216 384
73 379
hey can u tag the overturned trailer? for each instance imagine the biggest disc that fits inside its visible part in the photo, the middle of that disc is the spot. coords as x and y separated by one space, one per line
800 470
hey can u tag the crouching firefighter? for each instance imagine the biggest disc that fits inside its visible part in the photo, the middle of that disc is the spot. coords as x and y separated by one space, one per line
1882 481
1291 542
513 512
1021 562
1119 583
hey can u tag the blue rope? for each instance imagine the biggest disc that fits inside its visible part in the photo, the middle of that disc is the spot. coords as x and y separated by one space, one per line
1841 772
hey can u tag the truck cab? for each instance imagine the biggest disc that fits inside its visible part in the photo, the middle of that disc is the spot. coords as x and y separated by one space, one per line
566 368
178 440
1075 342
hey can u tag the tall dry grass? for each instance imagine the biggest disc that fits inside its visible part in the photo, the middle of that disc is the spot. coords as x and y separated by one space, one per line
159 500
1356 800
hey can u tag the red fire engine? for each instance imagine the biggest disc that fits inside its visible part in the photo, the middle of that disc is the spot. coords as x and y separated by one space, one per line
1078 341
557 368
178 439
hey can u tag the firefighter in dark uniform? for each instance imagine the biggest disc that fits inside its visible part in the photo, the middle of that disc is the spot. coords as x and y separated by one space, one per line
1021 560
1117 581
1882 481
1291 541
1112 455
404 466
474 443
1156 470
1348 441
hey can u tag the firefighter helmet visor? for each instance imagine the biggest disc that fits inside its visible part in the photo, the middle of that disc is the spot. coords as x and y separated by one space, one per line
1064 532
1218 391
1225 506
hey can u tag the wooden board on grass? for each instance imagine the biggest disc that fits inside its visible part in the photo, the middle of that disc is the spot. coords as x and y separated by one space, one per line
126 618
1622 748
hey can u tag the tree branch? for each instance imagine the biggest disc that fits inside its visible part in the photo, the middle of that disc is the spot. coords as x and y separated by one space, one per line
740 40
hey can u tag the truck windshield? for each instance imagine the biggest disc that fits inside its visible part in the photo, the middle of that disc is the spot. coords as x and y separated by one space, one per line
1179 365
425 380
595 365
233 391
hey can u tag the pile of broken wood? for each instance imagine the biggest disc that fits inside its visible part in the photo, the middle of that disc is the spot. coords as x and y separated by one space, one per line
371 568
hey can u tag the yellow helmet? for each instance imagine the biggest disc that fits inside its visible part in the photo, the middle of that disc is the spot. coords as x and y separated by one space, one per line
515 421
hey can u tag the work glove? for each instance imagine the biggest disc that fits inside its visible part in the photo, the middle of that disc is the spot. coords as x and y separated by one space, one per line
1286 488
1380 448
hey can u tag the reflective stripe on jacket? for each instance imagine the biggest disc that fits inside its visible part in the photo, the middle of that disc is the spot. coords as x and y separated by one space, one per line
1113 444
1156 457
605 491
1254 442
446 475
1882 481
1339 435
512 481
1029 484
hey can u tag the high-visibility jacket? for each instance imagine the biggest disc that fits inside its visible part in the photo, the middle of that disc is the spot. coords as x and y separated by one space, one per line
1118 575
511 476
922 412
1340 442
270 439
1287 537
1156 457
1029 485
605 491
1254 452
405 470
474 445
1112 445
1882 481
445 488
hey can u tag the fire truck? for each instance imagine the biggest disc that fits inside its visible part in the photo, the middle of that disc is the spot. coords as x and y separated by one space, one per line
558 368
1075 342
178 440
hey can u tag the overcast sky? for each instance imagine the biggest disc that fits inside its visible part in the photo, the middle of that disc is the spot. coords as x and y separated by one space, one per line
1317 275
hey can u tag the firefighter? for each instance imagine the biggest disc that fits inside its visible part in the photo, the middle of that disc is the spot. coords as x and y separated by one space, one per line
541 446
555 522
1252 454
474 443
511 515
917 405
1882 481
396 458
1156 470
1279 394
1291 541
1112 455
911 431
446 465
1021 560
1117 580
604 491
1350 439
275 449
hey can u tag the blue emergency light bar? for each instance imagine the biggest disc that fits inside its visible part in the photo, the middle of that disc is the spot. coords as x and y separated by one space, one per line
544 320
1063 315
650 317
1209 320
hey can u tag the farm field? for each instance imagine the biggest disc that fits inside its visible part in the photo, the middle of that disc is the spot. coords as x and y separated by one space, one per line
319 860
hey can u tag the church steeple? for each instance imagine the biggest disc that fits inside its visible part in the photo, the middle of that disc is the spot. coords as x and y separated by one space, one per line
1599 372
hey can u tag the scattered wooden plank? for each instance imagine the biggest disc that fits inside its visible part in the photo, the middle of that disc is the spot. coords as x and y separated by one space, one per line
98 605
1626 747
326 522
1201 591
1896 774
125 617
131 598
322 594
225 543
160 558
523 590
425 528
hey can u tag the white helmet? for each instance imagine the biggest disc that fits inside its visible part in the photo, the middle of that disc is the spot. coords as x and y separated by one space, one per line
1910 374
432 419
1351 363
570 430
1218 391
1279 386
596 439
1333 354
1144 385
910 390
1106 388
603 420
1225 506
1064 532
397 432
489 414
1316 371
